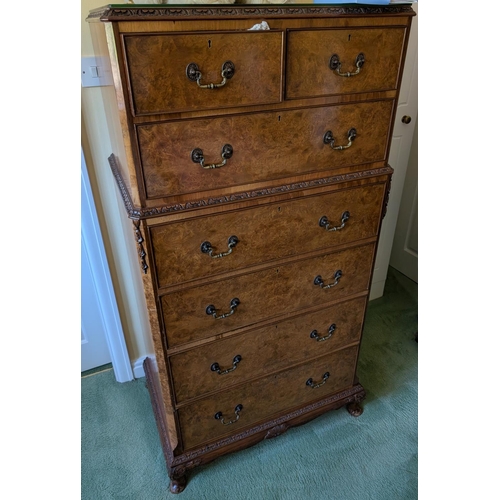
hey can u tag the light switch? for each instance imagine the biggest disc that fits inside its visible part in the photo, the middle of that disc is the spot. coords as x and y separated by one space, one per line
96 72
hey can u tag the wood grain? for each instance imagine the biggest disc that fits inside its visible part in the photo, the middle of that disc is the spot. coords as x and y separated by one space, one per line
265 233
309 51
265 350
266 146
265 397
285 23
157 68
280 180
264 294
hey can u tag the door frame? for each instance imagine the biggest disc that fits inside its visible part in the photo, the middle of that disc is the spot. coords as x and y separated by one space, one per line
407 103
91 233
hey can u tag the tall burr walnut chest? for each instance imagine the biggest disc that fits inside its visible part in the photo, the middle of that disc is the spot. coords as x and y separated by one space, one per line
253 166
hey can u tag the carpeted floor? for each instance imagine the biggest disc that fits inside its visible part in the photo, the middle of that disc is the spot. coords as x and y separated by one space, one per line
334 457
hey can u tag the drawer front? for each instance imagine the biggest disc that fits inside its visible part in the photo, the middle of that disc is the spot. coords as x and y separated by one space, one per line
309 61
265 146
266 397
263 233
264 294
266 350
158 72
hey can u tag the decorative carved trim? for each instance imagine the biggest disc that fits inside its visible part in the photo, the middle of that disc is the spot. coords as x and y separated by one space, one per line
276 431
132 13
348 396
386 199
180 470
144 213
180 465
157 211
360 396
132 211
140 241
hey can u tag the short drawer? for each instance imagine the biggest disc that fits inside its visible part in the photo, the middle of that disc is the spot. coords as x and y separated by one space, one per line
209 419
261 295
244 149
163 70
185 250
316 57
223 363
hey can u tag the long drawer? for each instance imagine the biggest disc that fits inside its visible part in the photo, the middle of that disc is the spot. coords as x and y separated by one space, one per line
167 70
208 419
326 61
176 156
188 314
223 363
185 250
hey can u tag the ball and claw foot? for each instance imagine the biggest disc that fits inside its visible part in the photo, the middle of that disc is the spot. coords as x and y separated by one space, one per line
178 485
355 409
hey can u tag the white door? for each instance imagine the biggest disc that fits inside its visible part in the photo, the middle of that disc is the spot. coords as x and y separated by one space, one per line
102 335
404 256
398 158
95 350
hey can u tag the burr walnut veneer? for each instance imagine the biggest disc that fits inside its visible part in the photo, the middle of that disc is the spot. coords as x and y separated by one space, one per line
253 165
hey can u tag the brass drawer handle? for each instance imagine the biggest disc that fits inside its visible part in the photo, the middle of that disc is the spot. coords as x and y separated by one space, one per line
324 222
194 74
216 368
319 280
335 65
314 333
218 415
313 385
206 247
212 311
329 139
226 153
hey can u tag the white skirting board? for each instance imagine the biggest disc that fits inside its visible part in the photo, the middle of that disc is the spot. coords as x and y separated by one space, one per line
138 367
377 290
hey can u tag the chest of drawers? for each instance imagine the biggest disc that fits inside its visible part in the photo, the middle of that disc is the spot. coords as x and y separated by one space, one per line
253 166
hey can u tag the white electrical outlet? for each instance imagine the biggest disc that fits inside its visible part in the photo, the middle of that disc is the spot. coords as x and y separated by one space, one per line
96 72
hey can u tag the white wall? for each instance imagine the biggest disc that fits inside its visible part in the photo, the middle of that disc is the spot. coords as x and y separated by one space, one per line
117 229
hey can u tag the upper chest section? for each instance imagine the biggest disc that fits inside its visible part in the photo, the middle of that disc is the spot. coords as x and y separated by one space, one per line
210 61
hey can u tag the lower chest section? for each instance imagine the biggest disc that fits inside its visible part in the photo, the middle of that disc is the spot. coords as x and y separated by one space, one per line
269 322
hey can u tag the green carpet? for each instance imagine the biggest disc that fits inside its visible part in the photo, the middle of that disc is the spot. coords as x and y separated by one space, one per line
334 457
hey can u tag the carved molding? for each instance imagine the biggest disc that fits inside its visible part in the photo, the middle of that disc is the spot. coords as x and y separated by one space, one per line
178 466
276 431
132 13
180 470
386 199
140 249
144 213
132 211
354 394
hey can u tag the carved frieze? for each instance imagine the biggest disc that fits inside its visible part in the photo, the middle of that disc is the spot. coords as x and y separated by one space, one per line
132 13
143 213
